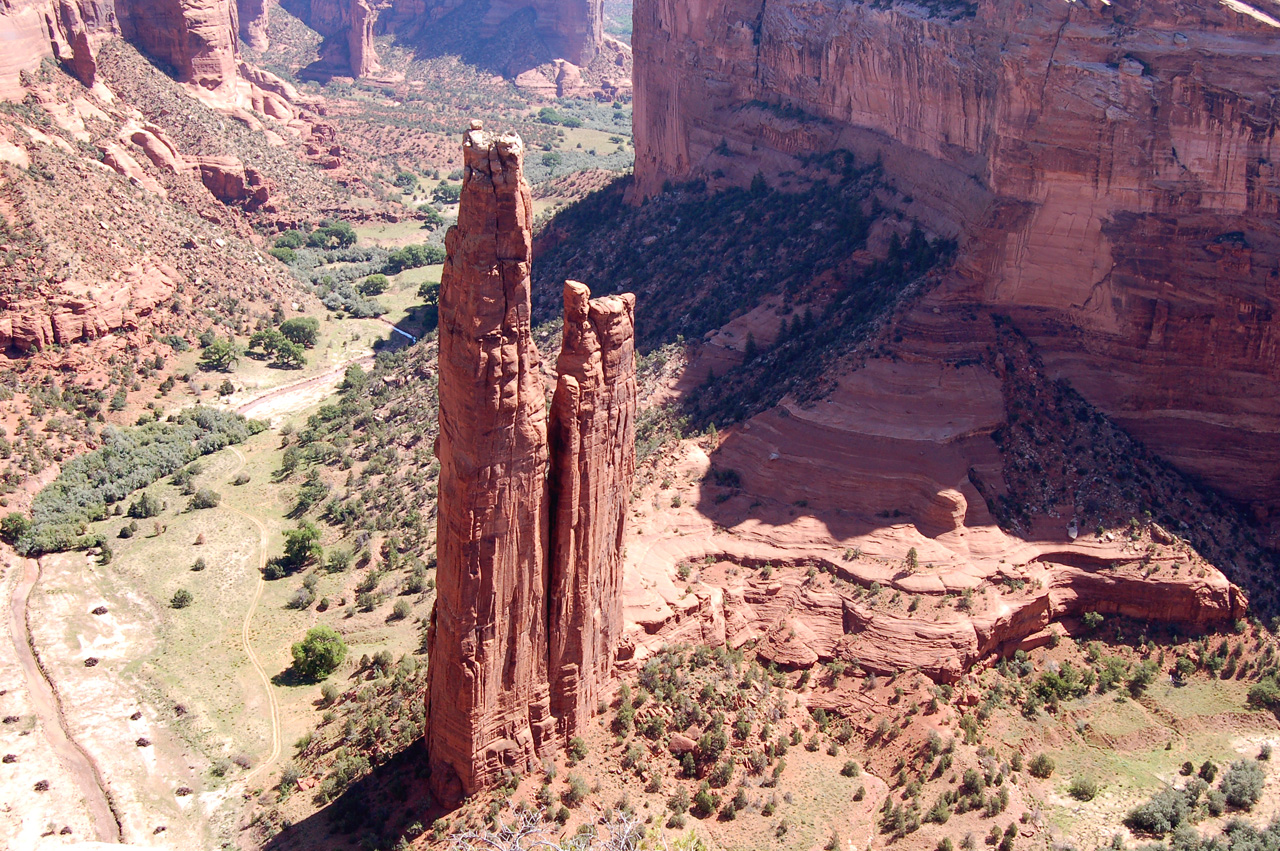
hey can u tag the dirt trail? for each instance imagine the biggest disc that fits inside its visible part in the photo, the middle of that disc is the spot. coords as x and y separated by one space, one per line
244 634
284 399
106 822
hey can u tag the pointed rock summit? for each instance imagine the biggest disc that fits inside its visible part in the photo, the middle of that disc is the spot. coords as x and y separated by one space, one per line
528 614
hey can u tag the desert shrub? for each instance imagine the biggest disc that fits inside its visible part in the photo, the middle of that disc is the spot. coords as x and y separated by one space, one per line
319 653
1165 811
204 498
850 769
577 750
1265 693
401 610
1242 784
128 459
301 599
575 792
1143 676
181 599
1041 766
704 802
1083 788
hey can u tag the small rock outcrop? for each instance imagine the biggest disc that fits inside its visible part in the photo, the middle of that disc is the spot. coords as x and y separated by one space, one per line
593 452
528 613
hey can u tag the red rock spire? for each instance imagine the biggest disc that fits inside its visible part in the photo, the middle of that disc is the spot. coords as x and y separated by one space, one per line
528 613
488 691
593 451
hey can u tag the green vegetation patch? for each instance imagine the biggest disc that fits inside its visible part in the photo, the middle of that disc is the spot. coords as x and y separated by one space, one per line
128 459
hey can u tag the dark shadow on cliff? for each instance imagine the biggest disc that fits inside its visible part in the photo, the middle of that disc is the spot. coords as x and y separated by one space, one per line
375 811
514 47
846 274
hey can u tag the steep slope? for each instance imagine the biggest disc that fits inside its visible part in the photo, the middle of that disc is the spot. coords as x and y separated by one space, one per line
1106 166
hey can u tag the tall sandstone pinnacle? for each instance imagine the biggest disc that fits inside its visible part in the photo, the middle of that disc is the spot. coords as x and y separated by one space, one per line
488 696
593 462
528 613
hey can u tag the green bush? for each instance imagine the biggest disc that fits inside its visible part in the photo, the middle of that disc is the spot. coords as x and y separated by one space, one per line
1041 766
413 257
1162 814
303 330
14 526
576 791
301 546
332 234
1242 784
447 193
145 506
1083 788
285 255
320 653
374 285
204 498
181 599
291 239
220 356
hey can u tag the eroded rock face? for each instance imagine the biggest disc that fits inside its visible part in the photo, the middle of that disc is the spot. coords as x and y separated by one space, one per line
195 40
528 614
571 29
489 702
347 26
593 463
1108 168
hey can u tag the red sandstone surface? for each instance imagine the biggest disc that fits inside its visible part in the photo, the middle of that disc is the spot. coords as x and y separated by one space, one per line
593 452
1108 168
528 612
489 701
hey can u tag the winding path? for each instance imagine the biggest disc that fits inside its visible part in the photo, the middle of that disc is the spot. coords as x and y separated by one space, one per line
48 707
302 387
272 704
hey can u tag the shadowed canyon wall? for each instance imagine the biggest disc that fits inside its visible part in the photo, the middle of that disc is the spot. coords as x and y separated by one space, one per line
528 611
1109 170
570 29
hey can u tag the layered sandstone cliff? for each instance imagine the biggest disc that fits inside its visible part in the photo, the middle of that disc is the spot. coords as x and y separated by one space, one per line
571 29
593 451
1109 168
528 612
195 42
